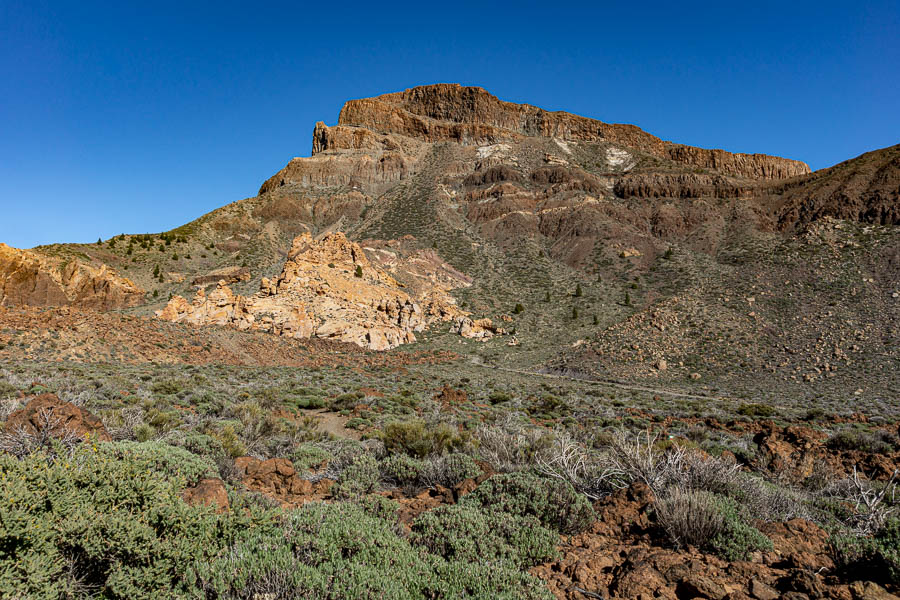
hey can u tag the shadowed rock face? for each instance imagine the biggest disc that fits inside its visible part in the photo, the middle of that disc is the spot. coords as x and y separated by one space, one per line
31 278
327 289
864 189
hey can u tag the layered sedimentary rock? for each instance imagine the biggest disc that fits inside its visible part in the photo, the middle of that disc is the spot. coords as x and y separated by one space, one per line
473 116
327 289
31 278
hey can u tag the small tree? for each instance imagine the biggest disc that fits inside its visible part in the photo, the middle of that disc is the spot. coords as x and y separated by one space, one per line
99 241
627 299
578 292
358 272
596 321
574 312
156 271
547 297
519 309
668 254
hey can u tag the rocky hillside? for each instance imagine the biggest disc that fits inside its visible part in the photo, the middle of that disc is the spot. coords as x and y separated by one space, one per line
327 289
31 278
602 249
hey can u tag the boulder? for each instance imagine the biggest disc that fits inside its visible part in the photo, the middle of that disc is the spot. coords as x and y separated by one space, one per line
61 417
208 492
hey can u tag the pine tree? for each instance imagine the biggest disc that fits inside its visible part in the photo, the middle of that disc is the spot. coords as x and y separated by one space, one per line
574 313
519 309
627 299
359 272
596 321
578 292
547 298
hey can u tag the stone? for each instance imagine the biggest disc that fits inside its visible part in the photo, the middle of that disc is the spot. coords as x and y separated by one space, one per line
762 591
61 417
208 492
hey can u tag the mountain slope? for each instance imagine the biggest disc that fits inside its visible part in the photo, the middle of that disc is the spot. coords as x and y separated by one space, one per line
717 265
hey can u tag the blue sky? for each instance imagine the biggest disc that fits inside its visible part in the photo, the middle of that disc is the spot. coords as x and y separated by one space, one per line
123 118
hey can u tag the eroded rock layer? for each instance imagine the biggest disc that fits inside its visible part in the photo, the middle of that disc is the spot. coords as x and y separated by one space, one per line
30 278
327 289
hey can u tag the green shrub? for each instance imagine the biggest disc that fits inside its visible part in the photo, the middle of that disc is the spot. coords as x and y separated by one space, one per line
107 518
307 456
418 440
756 410
876 442
449 470
497 397
144 432
160 458
877 556
343 550
359 478
309 402
739 538
554 503
711 522
402 469
470 533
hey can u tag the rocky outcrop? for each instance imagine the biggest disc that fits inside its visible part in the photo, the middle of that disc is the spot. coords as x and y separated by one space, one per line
476 329
471 115
327 289
208 492
231 274
48 414
278 479
30 278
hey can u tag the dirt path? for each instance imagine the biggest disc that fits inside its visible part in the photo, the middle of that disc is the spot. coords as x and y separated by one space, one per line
603 382
332 422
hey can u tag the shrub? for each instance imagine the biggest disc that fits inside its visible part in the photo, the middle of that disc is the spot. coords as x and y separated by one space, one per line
519 309
103 519
554 503
419 440
359 477
449 470
307 456
877 556
469 533
876 442
756 410
160 458
711 522
358 272
345 550
402 469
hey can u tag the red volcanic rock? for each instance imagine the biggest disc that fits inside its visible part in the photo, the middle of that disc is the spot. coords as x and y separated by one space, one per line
209 492
62 417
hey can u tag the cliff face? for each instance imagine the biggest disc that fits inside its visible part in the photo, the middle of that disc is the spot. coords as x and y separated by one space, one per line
30 278
471 115
327 289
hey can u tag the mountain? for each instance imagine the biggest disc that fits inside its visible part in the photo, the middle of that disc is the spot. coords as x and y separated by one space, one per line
606 251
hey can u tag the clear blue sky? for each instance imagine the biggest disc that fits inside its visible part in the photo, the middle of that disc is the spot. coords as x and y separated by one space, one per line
116 118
